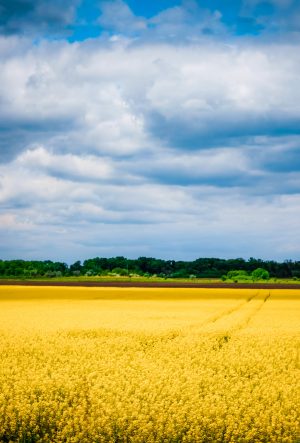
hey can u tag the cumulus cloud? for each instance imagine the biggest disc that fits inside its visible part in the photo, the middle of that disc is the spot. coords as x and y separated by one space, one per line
49 217
187 21
117 146
118 17
92 98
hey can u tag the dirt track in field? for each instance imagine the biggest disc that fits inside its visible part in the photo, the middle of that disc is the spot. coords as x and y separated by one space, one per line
135 284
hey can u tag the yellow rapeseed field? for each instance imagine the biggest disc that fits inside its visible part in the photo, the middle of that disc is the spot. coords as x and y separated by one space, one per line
149 365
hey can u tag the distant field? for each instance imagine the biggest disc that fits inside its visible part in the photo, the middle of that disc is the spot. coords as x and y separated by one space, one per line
153 282
149 365
148 280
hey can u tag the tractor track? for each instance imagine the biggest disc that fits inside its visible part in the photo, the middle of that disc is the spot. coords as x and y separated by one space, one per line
235 319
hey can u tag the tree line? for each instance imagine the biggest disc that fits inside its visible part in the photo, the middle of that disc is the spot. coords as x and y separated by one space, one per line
148 266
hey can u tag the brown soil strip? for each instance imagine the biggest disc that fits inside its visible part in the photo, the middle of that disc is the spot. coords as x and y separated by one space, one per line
135 284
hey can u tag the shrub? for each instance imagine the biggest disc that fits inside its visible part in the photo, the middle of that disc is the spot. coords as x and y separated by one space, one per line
260 274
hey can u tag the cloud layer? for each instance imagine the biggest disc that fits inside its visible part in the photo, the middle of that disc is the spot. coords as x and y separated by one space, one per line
148 146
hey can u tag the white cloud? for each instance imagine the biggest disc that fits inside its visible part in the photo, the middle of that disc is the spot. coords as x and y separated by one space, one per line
94 98
199 81
68 165
166 221
187 21
117 15
149 146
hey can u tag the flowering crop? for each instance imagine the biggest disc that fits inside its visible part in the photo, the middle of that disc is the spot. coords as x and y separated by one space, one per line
149 365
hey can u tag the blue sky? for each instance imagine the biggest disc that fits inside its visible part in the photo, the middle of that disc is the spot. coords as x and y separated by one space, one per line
162 128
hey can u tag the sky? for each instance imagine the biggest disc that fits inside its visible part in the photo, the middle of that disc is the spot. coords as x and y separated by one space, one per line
160 128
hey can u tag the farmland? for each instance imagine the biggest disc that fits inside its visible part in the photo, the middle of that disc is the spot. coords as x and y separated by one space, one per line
149 365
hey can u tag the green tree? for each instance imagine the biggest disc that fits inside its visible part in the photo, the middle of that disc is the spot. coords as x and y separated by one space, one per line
260 274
